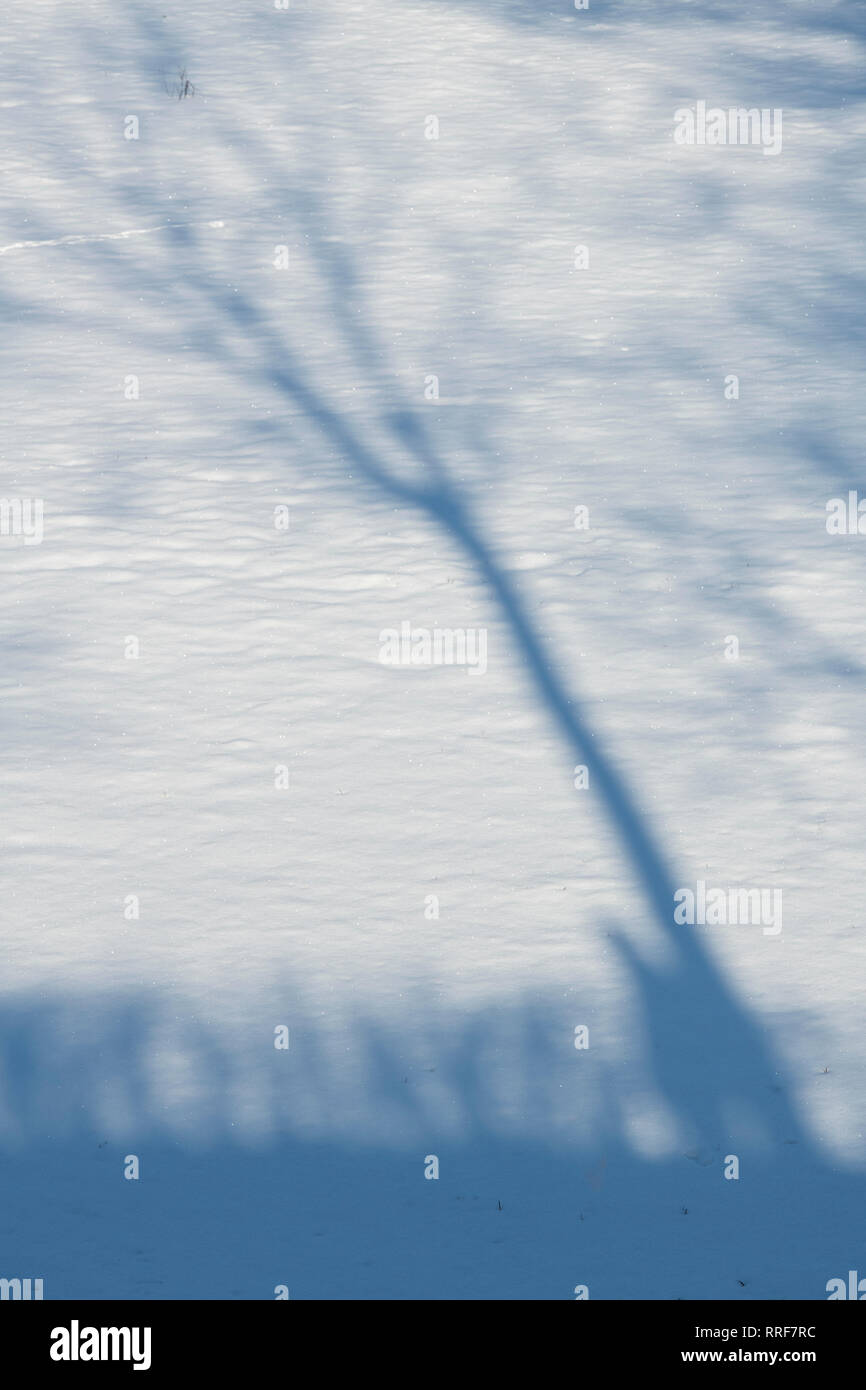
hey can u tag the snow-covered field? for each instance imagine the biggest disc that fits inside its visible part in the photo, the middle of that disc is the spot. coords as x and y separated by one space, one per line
285 372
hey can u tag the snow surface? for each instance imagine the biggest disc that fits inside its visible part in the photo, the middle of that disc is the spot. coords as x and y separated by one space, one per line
260 386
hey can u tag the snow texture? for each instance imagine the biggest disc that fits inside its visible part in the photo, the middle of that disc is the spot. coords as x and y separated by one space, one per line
226 815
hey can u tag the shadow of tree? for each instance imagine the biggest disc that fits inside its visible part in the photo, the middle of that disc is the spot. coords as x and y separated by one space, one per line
352 1216
339 1208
